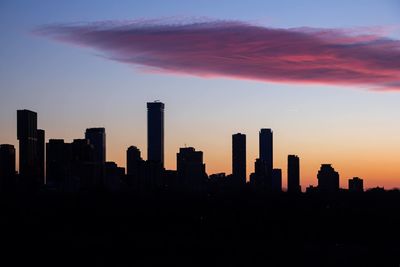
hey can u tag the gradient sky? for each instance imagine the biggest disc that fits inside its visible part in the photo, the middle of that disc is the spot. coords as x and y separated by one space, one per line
73 88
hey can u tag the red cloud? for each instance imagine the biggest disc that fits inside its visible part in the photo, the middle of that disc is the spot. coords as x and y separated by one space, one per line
244 51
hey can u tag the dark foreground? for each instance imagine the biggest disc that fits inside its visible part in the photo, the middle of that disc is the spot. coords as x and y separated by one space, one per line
245 229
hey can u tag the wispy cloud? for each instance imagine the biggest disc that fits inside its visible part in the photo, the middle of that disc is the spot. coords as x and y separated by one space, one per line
359 58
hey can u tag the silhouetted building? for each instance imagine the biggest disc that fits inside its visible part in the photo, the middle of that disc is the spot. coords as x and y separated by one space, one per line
135 166
155 132
311 189
97 138
328 179
260 178
190 168
113 176
356 185
85 167
132 159
293 174
276 180
28 156
73 166
217 177
239 157
41 154
266 149
58 164
7 166
377 190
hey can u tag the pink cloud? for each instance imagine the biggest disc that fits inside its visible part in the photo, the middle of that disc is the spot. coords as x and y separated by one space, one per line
243 51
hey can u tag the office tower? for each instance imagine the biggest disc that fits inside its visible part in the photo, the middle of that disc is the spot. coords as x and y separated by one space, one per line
83 151
239 157
190 167
132 159
73 166
260 178
7 166
27 136
85 165
277 180
293 174
97 138
266 149
328 179
356 185
41 154
136 168
155 132
58 163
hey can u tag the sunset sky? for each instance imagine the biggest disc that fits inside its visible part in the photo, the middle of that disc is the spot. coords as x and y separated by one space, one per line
323 75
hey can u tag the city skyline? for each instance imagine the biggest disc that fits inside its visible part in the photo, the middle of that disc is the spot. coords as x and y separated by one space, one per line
86 159
73 89
96 136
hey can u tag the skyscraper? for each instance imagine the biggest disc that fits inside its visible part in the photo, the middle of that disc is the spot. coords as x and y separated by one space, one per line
132 159
190 167
97 138
7 166
266 149
27 136
328 179
239 157
356 185
155 132
41 154
58 163
85 165
293 174
277 180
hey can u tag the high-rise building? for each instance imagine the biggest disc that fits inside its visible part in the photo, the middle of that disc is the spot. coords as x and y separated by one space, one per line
7 166
293 174
239 157
190 167
266 149
277 180
27 136
132 159
97 138
40 134
85 165
58 163
356 185
328 179
259 178
155 132
135 168
73 166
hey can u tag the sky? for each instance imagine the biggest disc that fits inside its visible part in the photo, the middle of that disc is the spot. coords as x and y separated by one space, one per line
76 81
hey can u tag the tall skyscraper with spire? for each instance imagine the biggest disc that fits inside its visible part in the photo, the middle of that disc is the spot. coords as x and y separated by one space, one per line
155 132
